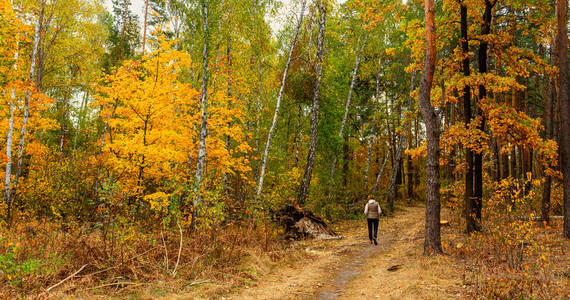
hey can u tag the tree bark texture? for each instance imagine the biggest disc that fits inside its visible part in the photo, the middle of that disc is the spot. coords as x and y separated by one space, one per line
549 98
562 43
468 205
305 184
478 156
432 244
204 123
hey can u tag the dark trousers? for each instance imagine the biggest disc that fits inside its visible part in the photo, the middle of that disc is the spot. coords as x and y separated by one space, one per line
372 225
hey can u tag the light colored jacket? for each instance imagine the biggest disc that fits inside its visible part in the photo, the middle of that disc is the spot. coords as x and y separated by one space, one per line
372 209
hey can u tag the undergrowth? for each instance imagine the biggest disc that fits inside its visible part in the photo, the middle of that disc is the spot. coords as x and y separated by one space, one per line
516 255
36 258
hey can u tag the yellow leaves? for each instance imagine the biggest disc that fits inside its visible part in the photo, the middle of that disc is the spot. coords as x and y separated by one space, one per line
470 137
153 115
415 153
513 127
158 201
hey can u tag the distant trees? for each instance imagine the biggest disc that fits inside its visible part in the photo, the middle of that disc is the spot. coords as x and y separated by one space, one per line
104 108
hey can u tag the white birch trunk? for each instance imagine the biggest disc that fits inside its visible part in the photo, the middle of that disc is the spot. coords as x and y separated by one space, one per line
96 190
204 124
9 137
348 100
277 106
298 135
81 118
375 188
26 114
306 183
367 168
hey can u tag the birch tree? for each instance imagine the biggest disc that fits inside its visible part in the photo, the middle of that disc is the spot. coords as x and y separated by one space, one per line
347 105
386 158
305 184
278 105
367 168
9 196
204 123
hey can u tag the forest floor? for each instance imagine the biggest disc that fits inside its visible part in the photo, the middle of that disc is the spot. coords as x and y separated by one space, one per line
352 268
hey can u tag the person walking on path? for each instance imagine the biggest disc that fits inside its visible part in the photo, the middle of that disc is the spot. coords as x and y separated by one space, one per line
372 212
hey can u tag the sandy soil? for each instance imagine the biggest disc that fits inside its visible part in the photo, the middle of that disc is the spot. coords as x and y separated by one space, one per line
351 268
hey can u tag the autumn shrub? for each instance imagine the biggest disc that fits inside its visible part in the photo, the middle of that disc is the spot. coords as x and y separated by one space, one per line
513 256
36 256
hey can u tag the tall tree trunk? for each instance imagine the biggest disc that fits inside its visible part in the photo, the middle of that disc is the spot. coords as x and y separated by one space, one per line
12 197
483 69
386 158
432 244
81 118
144 26
346 158
8 175
549 98
367 167
562 43
99 166
298 134
204 123
278 105
399 149
305 184
347 105
229 95
409 167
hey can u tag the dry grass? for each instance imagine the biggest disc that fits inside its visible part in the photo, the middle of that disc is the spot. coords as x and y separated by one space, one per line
133 264
238 264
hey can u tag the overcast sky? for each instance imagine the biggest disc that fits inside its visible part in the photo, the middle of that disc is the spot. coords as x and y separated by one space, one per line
137 6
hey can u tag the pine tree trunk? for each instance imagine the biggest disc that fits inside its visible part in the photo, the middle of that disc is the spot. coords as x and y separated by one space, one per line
483 68
278 105
549 98
144 26
562 43
432 244
204 123
305 184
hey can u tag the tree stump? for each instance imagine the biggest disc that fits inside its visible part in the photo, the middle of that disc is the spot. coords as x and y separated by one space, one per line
302 223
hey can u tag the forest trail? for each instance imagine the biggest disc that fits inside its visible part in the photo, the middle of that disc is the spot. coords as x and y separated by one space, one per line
351 268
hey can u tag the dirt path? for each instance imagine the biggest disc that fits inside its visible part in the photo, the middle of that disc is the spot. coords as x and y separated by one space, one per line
351 268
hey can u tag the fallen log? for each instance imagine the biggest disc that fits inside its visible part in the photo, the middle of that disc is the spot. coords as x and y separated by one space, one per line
302 223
